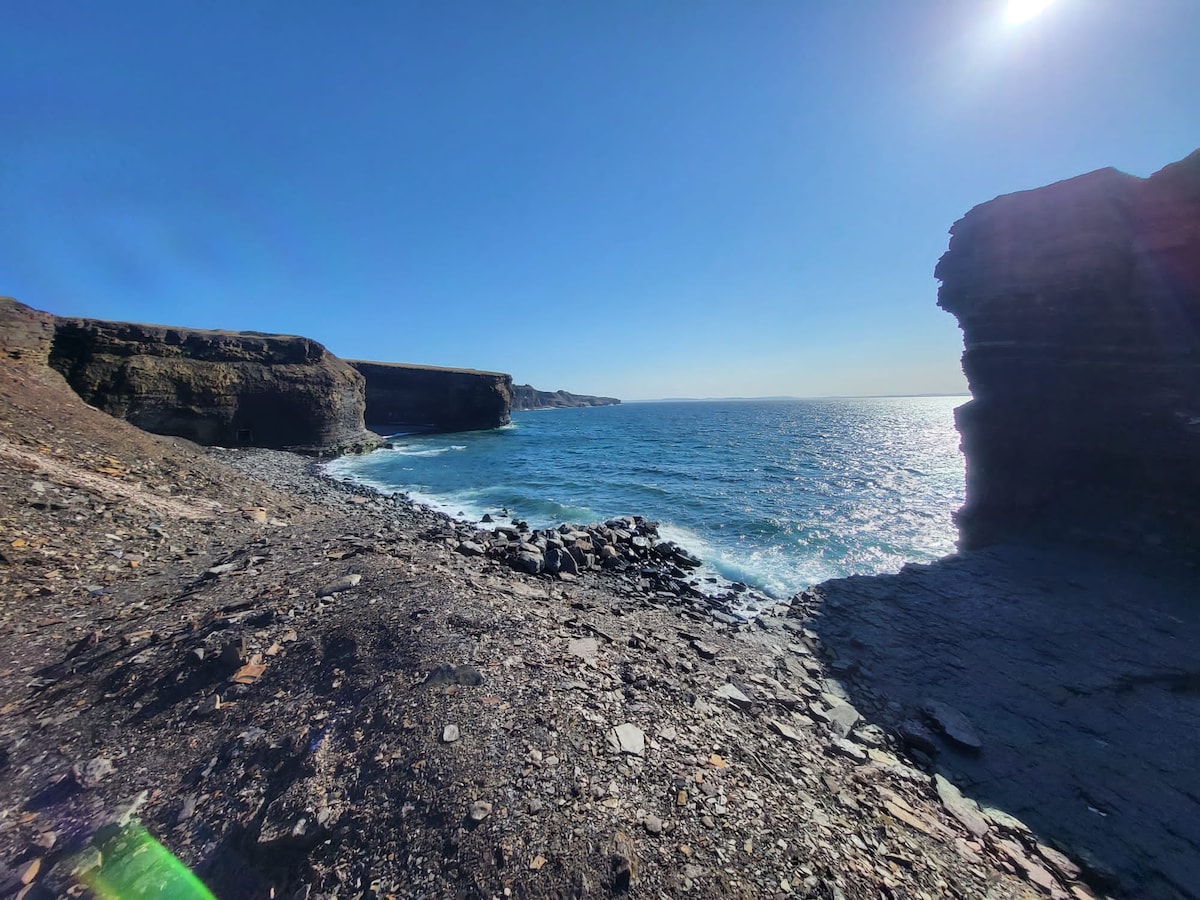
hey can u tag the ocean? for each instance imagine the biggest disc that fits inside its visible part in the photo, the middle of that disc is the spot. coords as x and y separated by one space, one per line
778 494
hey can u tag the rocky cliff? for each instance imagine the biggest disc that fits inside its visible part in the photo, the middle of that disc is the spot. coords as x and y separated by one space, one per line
526 396
402 397
213 387
25 333
1079 305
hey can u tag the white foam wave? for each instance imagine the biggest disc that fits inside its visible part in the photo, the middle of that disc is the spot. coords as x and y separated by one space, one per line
766 570
418 450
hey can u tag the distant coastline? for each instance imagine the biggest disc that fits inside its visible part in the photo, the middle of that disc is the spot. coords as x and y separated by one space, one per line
818 397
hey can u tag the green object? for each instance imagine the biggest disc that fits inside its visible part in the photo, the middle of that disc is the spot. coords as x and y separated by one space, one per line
137 866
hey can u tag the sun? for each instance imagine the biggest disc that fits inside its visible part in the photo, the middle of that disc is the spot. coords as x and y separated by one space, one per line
1019 11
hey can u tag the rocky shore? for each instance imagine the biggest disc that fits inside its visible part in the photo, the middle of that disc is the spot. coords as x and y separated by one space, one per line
303 689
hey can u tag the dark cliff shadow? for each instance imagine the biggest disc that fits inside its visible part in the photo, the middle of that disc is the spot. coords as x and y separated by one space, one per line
1081 675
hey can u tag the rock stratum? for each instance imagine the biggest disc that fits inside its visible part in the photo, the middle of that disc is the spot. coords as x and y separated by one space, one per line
526 396
213 387
1079 305
404 397
249 389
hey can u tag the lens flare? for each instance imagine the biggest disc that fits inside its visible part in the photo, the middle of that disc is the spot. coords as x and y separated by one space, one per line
1019 11
138 866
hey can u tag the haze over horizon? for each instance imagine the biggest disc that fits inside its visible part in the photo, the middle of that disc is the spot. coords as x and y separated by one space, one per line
642 201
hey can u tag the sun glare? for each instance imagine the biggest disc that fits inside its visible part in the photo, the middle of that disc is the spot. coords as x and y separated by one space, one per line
1019 11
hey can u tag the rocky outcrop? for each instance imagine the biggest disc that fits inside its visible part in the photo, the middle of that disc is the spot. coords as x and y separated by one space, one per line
25 333
403 397
526 396
1080 310
214 387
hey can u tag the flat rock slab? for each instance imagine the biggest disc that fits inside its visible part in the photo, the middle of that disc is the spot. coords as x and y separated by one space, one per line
1072 669
732 695
627 738
965 810
345 583
953 724
584 648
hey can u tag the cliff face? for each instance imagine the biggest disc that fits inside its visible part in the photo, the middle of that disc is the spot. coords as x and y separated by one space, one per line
25 333
402 397
1079 305
528 397
213 387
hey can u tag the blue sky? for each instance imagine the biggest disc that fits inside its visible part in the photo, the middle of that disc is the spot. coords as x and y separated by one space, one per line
641 199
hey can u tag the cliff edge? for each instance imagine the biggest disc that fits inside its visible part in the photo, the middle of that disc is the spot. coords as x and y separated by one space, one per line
1079 305
405 397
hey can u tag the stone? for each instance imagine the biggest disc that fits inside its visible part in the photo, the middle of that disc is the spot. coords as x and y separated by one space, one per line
784 730
849 749
470 548
480 810
29 872
448 674
918 737
530 561
627 738
842 718
82 862
209 705
345 583
584 648
705 651
965 810
734 697
1059 862
249 673
93 772
1033 871
1003 820
869 736
450 734
953 724
653 824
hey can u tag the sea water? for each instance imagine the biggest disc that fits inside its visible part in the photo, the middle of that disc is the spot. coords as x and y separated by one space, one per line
779 494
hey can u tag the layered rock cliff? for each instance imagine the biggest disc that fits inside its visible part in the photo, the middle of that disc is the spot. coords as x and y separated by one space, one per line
1079 305
25 333
214 387
526 396
403 397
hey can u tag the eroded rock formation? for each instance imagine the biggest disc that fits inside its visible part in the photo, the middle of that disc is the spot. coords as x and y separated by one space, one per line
25 333
214 387
403 397
526 396
1080 310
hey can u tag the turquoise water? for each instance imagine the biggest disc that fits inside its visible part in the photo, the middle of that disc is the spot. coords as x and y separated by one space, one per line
779 494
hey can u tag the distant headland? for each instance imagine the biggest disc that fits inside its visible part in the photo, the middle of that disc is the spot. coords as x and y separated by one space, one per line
250 389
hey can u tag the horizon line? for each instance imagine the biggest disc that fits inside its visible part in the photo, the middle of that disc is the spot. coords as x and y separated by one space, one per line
806 397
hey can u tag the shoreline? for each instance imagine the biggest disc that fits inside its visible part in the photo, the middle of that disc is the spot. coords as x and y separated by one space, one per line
728 598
